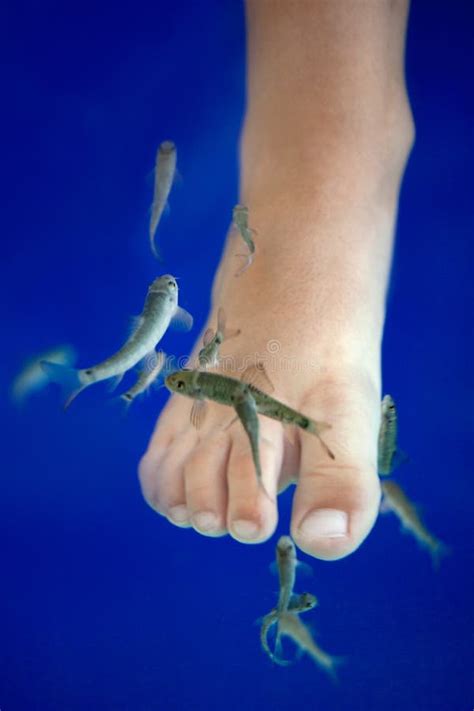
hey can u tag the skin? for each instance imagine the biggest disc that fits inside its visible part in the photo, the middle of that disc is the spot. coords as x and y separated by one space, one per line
326 137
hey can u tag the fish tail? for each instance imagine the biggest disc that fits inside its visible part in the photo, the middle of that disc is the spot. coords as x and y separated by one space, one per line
156 252
316 428
68 378
277 656
438 550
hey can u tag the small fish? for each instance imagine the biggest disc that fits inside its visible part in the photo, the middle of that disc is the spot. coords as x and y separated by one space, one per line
286 563
202 386
153 366
246 409
208 356
298 604
290 625
160 309
32 377
387 445
240 218
395 500
165 169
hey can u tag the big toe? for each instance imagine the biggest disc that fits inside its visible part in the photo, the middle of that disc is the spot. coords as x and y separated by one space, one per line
336 501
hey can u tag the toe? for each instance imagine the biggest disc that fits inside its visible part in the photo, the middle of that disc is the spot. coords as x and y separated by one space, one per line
252 515
336 501
162 480
205 484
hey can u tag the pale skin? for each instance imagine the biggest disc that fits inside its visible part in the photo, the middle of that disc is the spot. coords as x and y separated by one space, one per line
326 136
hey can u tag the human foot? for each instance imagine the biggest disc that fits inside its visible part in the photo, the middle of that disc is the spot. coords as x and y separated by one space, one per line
314 315
326 136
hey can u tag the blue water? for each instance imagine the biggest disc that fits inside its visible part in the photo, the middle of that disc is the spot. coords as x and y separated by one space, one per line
103 605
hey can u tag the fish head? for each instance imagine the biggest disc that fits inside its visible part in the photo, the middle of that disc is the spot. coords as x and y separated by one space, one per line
388 404
165 284
239 212
183 382
307 601
285 548
167 147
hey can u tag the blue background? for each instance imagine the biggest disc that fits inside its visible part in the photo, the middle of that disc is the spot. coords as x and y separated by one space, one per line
103 605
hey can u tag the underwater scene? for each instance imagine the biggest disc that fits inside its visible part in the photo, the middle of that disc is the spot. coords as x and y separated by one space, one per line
122 192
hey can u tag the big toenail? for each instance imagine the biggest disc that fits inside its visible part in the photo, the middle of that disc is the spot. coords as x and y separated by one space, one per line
205 521
179 514
324 523
245 530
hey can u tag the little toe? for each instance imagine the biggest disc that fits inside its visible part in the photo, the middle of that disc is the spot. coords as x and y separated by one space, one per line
163 483
252 513
205 484
336 501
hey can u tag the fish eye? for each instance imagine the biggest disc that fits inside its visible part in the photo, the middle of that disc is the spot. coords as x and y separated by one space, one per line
180 384
171 283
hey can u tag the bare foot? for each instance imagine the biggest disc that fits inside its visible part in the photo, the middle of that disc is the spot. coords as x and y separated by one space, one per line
323 200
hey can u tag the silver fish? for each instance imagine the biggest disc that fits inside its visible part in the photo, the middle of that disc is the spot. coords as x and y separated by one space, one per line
240 218
298 604
286 562
153 366
395 500
208 356
202 386
387 443
165 170
290 625
32 377
160 309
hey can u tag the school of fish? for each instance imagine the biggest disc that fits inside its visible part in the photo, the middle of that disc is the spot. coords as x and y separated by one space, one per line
248 397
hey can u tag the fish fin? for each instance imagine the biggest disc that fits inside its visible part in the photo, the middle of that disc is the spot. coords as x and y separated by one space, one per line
208 336
126 400
316 428
156 252
256 375
273 568
182 320
304 569
400 457
248 261
439 551
198 413
114 382
384 506
68 378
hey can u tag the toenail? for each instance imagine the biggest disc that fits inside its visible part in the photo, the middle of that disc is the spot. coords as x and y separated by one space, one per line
205 521
324 523
179 514
246 530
